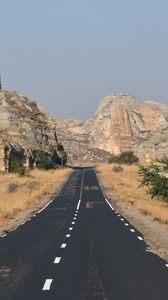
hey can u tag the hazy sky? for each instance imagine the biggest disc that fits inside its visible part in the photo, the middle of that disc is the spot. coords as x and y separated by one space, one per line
67 54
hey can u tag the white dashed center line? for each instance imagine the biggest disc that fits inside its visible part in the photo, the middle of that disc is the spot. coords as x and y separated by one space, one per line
126 224
47 284
70 228
73 223
140 238
57 260
122 220
68 235
132 230
78 204
63 245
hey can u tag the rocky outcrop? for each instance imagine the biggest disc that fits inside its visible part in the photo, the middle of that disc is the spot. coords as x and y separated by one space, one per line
24 129
121 123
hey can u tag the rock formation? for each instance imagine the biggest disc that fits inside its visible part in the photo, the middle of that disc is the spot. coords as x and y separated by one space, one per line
24 129
121 123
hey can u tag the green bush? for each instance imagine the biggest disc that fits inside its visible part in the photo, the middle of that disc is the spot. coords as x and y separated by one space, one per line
155 179
124 158
14 166
42 160
118 169
12 187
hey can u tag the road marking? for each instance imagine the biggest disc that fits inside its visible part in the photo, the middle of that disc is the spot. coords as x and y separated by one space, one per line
74 218
122 220
68 235
70 228
166 265
45 207
73 223
132 230
126 224
118 215
140 238
63 245
4 235
47 284
109 204
57 260
78 204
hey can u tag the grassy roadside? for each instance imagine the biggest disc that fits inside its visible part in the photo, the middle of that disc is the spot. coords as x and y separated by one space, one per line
20 193
125 184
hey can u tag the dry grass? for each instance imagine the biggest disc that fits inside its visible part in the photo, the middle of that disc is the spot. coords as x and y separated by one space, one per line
31 190
125 184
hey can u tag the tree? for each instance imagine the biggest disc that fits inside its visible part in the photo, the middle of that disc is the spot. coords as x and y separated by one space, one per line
154 177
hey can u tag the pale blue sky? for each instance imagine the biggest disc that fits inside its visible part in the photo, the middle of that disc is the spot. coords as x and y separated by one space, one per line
67 54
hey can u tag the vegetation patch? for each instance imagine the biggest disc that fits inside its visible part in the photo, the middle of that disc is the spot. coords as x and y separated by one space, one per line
117 169
15 166
155 178
12 187
128 187
20 193
31 185
124 158
42 160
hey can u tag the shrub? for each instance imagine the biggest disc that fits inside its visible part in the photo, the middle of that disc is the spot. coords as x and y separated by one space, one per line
42 160
12 187
31 185
154 178
14 166
118 169
124 158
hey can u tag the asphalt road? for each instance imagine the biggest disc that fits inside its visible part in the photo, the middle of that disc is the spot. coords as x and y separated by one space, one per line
80 248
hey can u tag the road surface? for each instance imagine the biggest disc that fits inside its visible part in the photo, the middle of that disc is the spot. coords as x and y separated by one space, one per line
78 247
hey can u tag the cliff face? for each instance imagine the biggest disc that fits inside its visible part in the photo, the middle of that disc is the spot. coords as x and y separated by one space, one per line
24 129
121 123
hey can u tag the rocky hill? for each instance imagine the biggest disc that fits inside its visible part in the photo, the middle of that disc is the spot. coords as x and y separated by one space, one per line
121 123
24 129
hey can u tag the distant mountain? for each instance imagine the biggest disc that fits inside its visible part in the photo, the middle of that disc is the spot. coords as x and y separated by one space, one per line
121 123
24 129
